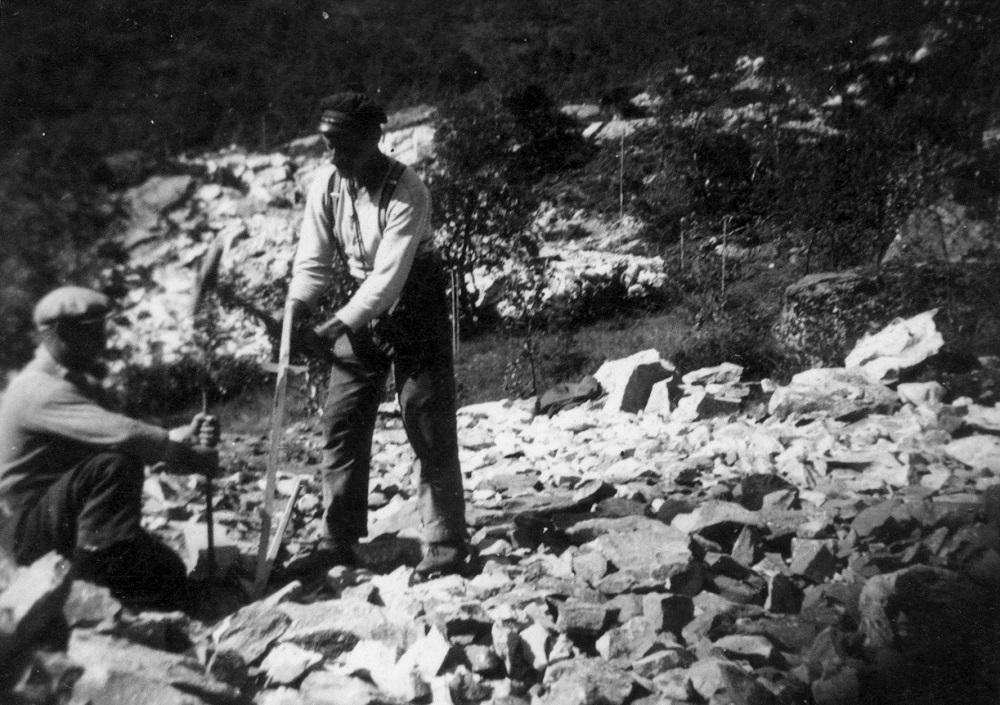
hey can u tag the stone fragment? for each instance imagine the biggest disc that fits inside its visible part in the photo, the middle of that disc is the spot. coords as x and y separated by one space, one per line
47 678
579 618
330 688
900 346
586 681
813 559
979 452
631 641
32 597
89 605
669 613
336 626
720 680
930 394
537 642
590 566
673 685
713 514
628 381
482 659
877 521
660 661
783 595
250 632
726 373
427 655
509 648
116 671
286 663
456 619
756 650
196 557
659 401
983 418
835 391
279 696
650 551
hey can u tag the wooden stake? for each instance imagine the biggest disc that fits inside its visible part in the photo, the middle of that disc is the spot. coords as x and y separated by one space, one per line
274 451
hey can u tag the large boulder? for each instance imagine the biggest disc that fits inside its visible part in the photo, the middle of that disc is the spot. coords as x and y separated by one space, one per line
822 315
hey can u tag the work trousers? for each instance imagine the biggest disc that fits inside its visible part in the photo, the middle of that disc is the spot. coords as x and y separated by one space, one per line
92 515
97 503
415 341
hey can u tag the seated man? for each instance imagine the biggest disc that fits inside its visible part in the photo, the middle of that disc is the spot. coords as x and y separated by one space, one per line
71 471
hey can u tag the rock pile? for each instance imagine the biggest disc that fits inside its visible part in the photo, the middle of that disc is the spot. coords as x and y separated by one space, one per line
831 541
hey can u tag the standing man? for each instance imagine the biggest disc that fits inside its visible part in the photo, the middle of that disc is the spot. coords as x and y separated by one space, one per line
368 216
71 471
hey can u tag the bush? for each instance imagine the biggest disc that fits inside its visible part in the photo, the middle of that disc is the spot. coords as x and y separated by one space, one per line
488 158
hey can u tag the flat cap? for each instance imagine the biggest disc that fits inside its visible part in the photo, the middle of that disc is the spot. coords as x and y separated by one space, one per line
349 110
71 303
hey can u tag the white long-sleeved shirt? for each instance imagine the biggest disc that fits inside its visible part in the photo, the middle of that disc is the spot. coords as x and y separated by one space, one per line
380 260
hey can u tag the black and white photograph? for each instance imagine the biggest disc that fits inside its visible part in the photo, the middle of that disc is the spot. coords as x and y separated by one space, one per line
510 352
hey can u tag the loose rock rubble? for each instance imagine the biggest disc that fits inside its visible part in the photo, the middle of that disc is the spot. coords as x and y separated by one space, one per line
835 541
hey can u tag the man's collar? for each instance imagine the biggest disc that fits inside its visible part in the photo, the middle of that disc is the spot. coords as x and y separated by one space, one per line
44 362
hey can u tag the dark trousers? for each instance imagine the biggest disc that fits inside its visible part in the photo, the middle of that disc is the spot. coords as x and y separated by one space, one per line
415 341
94 505
92 515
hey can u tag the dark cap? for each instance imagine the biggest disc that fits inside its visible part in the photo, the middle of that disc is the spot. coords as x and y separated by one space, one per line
350 110
71 303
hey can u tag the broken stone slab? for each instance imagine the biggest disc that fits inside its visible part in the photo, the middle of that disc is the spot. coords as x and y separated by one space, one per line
333 627
287 663
536 643
279 696
196 557
835 391
659 661
577 618
979 452
983 418
660 398
900 346
651 552
247 634
328 687
510 649
629 381
929 394
669 613
756 650
702 404
585 681
90 605
117 671
47 678
715 678
32 598
377 661
726 373
813 559
428 655
713 514
635 639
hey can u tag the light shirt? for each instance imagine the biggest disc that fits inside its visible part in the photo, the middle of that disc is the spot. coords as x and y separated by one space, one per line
380 260
50 421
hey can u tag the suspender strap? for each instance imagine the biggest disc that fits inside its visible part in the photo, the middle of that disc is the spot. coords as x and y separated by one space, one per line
396 170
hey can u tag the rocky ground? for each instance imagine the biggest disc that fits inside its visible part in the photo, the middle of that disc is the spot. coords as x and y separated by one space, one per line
695 539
